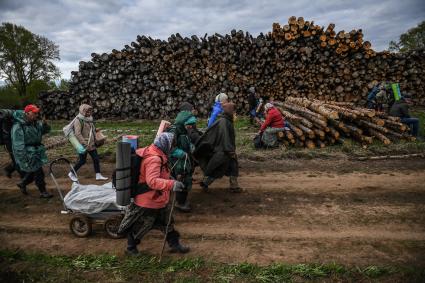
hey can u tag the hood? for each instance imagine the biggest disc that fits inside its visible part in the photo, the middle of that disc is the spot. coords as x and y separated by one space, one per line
182 117
84 108
19 116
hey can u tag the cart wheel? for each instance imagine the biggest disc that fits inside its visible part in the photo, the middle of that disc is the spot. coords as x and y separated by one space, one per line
111 227
80 226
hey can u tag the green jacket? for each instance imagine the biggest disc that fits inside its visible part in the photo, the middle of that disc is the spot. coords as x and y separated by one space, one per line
180 158
29 152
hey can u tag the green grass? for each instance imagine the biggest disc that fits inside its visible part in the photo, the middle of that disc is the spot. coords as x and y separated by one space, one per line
146 130
38 267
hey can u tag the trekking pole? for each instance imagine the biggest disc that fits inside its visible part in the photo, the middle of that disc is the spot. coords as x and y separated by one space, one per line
173 202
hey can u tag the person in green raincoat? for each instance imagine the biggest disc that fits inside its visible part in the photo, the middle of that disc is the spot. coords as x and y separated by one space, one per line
29 152
182 166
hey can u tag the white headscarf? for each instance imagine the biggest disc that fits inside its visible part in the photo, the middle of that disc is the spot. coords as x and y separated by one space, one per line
221 97
268 106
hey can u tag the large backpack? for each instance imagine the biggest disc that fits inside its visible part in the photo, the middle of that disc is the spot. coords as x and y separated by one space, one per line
6 123
135 187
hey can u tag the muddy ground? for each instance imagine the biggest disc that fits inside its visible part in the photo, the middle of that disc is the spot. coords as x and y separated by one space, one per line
293 211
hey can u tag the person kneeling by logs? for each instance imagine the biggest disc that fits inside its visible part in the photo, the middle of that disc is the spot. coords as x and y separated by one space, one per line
216 151
274 123
150 210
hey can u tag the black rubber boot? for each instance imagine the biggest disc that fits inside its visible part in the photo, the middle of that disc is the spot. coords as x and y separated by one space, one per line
179 248
182 204
234 185
22 188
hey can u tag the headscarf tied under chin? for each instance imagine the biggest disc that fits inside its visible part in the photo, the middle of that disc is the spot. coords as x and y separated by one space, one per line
82 114
268 106
164 142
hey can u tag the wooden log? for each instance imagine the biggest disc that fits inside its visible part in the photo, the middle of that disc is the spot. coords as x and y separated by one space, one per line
379 136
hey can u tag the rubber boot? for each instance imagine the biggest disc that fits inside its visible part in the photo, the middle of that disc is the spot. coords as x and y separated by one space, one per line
234 185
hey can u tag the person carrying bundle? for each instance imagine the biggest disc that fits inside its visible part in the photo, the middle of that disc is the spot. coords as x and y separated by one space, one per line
85 131
150 209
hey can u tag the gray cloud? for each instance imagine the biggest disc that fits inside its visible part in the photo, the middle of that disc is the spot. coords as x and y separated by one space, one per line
81 27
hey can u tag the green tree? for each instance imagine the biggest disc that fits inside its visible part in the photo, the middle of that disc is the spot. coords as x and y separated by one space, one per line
26 57
413 39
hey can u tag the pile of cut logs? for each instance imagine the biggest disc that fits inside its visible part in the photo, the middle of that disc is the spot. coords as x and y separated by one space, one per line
150 77
314 123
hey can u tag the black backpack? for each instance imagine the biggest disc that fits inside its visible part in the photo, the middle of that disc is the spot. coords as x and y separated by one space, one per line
6 123
136 188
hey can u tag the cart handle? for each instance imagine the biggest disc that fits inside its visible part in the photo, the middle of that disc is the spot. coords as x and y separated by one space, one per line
54 178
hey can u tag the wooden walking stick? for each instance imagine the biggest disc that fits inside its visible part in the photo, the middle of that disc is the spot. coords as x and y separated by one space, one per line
173 202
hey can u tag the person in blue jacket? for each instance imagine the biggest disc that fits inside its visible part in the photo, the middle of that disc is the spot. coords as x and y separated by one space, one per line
217 107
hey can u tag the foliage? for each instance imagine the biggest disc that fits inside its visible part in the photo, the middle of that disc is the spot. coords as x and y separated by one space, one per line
26 57
413 39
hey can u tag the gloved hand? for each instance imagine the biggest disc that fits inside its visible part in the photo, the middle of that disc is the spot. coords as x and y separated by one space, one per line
178 186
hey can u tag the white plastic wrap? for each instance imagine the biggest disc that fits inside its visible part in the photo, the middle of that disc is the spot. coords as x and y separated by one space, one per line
91 199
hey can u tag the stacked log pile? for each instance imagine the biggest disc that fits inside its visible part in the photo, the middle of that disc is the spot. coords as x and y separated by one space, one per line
150 77
314 123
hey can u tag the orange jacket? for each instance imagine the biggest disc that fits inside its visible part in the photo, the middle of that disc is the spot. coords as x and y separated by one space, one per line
156 178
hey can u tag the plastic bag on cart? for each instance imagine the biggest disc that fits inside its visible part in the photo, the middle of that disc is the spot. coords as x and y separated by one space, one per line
91 199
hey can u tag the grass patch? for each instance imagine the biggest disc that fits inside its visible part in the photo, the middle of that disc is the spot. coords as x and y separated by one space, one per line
36 267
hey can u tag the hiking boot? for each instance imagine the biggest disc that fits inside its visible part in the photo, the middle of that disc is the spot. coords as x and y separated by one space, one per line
183 207
178 248
204 186
132 252
22 188
45 195
72 176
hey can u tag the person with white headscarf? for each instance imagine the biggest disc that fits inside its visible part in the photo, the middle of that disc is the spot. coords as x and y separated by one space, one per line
220 99
273 124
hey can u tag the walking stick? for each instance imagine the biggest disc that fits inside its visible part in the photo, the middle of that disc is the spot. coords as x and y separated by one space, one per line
173 202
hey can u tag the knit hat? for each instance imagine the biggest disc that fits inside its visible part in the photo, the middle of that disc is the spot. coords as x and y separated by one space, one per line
164 142
186 106
221 97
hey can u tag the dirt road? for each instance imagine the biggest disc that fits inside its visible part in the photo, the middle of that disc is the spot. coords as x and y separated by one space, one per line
293 211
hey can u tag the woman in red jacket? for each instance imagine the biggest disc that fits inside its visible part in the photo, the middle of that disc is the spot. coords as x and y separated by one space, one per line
273 124
150 210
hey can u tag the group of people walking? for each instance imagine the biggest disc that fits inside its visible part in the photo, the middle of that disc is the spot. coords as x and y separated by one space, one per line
168 163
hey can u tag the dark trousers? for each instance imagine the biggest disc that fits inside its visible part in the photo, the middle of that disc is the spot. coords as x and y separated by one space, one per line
413 124
12 167
38 176
148 219
82 158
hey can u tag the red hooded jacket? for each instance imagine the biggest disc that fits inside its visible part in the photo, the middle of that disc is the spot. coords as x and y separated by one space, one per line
274 119
156 178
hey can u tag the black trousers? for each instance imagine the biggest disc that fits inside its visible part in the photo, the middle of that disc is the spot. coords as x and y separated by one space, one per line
83 158
37 176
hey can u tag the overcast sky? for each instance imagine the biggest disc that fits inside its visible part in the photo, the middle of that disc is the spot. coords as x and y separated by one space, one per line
81 27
